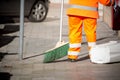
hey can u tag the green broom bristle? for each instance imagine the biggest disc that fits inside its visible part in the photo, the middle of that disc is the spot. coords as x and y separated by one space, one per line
56 53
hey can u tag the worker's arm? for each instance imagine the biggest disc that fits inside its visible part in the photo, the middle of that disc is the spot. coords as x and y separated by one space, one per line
107 2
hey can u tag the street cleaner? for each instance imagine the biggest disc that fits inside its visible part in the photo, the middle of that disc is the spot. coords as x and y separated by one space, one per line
83 13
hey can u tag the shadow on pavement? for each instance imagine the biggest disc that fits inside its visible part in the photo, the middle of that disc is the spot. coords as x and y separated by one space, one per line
6 39
5 76
2 55
82 58
9 29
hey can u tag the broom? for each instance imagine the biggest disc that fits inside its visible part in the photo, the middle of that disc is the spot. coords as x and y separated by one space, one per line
61 47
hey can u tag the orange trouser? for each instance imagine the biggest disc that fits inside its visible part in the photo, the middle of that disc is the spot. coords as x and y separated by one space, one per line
75 34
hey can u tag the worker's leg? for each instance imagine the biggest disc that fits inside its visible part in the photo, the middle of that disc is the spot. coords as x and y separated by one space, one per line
90 31
75 36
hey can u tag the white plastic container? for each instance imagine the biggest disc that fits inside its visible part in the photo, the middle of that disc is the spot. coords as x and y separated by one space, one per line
105 53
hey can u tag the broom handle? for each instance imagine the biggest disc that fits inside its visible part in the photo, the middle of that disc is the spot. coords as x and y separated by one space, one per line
61 20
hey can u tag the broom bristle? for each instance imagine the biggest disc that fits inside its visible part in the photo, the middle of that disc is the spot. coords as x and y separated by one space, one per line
56 53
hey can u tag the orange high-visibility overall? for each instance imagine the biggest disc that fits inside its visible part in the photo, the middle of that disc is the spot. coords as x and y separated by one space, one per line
82 13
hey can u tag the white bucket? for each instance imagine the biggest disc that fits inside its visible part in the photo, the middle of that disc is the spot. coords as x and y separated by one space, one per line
105 53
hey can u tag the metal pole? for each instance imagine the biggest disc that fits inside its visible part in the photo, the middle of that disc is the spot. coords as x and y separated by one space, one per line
21 28
61 19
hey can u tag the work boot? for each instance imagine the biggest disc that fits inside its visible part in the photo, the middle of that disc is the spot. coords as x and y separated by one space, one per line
72 58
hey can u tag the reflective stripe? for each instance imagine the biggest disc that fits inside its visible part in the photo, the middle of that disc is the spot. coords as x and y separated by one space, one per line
76 45
84 7
91 44
73 53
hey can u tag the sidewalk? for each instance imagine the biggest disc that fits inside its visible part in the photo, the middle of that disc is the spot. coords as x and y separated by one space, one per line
39 37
